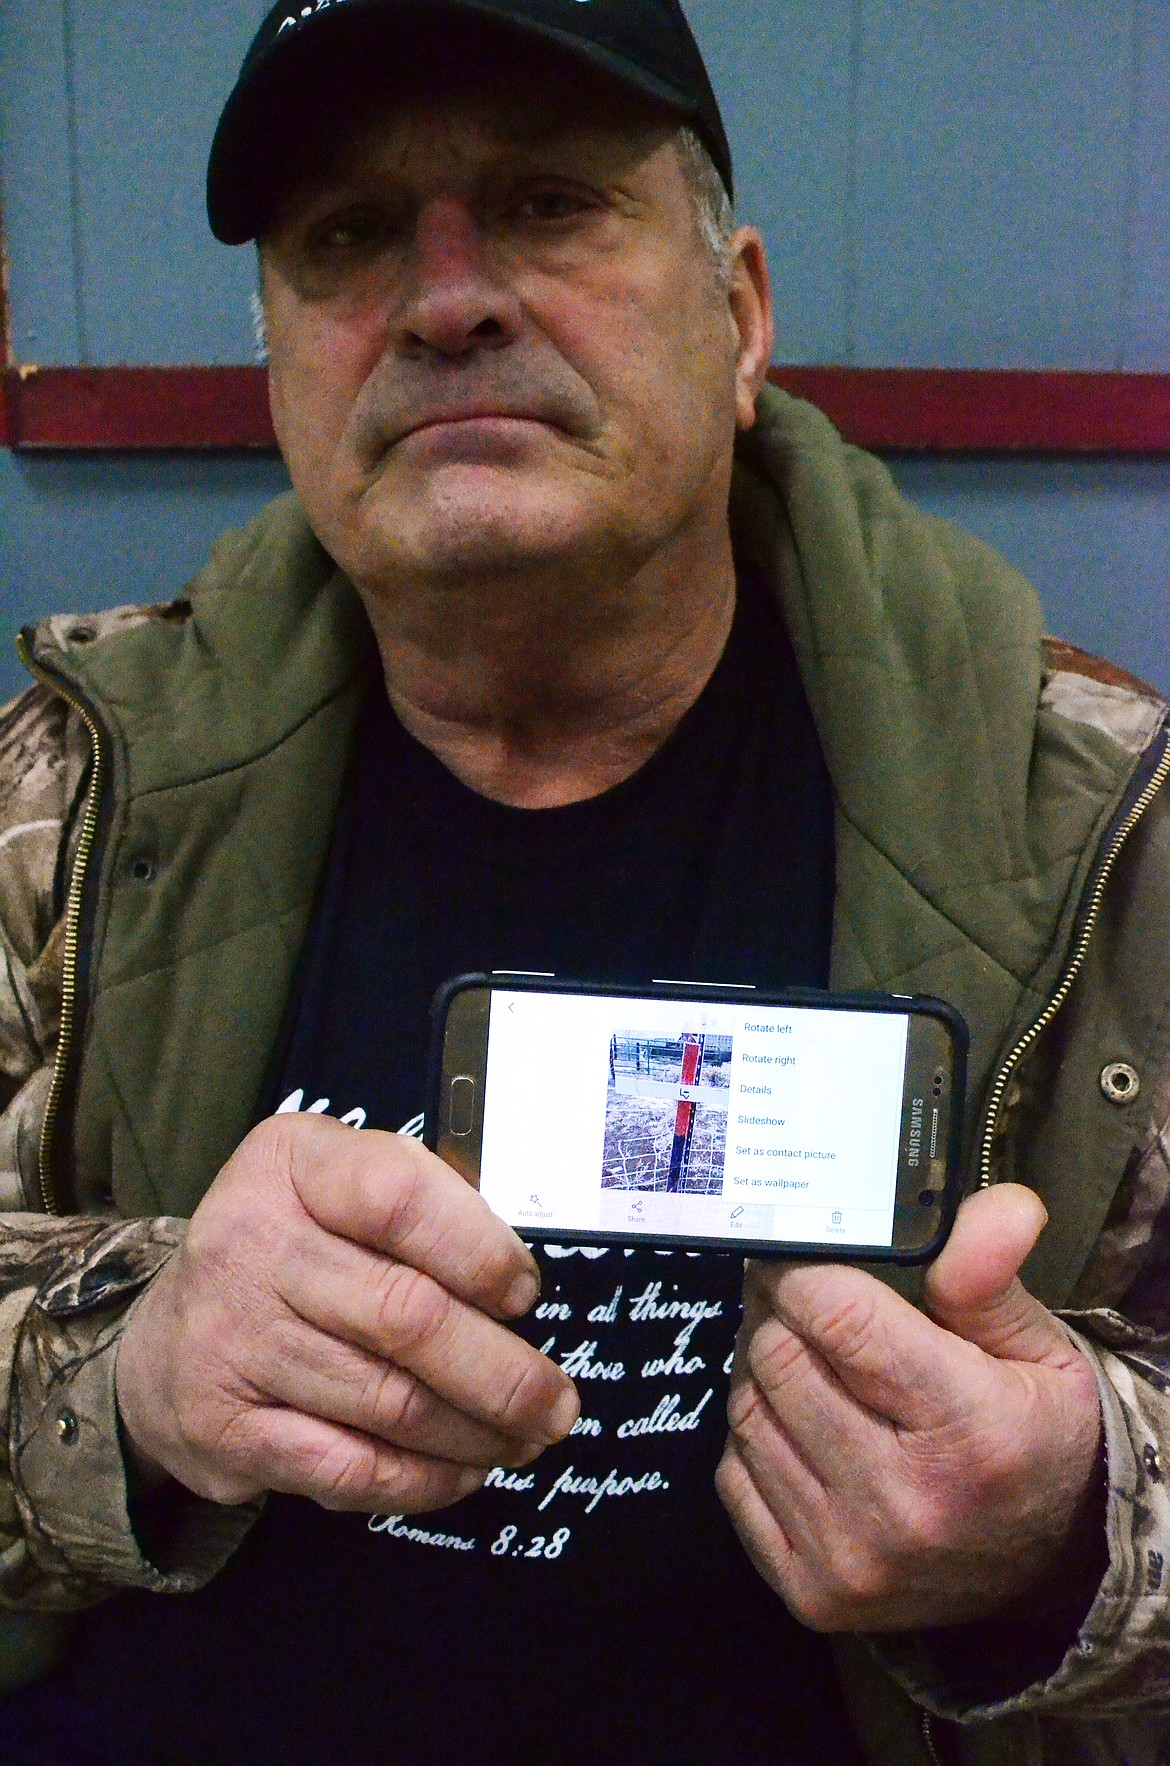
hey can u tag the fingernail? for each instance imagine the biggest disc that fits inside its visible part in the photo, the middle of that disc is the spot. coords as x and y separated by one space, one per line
522 1294
564 1414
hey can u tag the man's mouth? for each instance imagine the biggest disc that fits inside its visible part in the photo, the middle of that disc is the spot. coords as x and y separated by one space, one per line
498 423
482 418
479 437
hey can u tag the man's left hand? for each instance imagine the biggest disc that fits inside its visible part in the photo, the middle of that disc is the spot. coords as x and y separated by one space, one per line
887 1470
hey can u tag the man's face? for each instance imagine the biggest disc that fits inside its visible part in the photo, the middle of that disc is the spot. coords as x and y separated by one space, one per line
497 341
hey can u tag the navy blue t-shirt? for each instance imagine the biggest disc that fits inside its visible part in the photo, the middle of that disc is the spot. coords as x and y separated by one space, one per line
595 1606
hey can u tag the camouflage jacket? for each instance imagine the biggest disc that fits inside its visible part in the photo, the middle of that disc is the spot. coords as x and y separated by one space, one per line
166 797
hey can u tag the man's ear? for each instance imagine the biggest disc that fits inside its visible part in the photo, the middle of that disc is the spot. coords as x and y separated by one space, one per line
750 300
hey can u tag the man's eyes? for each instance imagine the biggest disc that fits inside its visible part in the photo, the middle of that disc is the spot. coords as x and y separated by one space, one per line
551 206
360 227
363 231
355 230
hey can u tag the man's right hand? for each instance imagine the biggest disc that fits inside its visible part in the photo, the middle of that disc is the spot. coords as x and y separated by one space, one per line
332 1327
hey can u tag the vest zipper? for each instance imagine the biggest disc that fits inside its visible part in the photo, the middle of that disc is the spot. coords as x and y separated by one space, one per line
1076 960
1075 964
928 1738
77 879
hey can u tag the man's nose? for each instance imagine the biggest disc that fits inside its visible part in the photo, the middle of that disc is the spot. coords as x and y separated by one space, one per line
458 301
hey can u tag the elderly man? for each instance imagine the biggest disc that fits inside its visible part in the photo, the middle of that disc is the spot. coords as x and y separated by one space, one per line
504 685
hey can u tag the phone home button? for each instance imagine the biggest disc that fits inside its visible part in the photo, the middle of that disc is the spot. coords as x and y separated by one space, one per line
462 1110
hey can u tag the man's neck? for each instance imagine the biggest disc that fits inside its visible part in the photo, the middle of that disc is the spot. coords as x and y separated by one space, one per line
537 697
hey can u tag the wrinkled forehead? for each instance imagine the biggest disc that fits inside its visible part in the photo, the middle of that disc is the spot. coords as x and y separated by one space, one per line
481 87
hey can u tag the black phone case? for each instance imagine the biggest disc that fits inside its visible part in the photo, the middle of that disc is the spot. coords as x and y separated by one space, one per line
905 1004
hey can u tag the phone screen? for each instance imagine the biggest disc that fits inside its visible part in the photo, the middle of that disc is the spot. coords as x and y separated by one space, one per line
671 1117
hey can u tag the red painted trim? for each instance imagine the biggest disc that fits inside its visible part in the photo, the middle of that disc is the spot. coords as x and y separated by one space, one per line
1000 411
933 410
7 414
125 409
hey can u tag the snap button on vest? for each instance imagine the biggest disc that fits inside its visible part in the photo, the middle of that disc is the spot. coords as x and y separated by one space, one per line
67 1427
1120 1082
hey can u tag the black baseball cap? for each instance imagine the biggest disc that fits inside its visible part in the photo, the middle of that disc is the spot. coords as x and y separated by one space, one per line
302 49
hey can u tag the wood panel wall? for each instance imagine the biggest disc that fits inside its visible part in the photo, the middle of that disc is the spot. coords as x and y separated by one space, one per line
974 190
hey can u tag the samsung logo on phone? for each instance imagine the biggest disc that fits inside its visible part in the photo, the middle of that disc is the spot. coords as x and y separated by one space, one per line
914 1145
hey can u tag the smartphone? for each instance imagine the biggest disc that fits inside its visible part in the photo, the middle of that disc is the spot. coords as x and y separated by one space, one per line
682 1114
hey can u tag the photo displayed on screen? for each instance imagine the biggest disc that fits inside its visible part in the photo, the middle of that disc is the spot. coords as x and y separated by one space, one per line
666 1113
777 1124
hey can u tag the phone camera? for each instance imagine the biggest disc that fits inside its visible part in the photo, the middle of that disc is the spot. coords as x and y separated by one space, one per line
926 1198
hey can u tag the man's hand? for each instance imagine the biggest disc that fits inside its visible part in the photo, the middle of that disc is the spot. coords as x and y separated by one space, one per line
885 1472
331 1328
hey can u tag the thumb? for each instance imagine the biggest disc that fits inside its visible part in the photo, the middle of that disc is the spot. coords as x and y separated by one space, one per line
973 1288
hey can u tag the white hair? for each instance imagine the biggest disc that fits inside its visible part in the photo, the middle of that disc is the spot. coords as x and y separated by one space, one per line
714 212
259 328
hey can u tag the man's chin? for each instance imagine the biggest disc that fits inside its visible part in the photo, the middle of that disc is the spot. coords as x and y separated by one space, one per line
455 558
487 532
